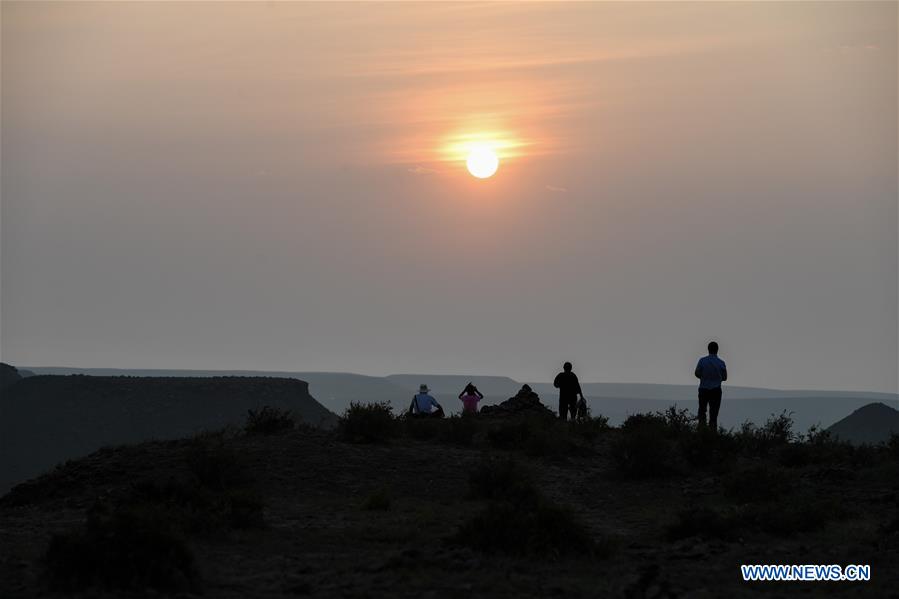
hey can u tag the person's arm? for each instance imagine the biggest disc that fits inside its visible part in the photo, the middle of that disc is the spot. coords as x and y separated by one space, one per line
478 391
556 381
698 372
723 371
461 394
577 384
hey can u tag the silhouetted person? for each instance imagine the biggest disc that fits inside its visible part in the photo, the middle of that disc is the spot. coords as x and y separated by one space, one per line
470 397
711 372
425 405
569 390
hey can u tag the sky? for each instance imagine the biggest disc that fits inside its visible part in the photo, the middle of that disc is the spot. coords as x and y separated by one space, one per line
282 186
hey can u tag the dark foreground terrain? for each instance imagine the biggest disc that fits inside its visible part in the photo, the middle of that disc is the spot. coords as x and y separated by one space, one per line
513 507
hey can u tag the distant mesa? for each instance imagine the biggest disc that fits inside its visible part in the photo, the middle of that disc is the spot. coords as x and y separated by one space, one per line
872 424
45 419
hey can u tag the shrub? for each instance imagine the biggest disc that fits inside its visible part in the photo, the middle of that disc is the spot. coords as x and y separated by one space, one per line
757 484
368 423
678 421
591 428
892 446
217 466
269 420
379 500
460 430
645 422
422 429
518 520
759 440
245 509
502 480
818 436
705 449
705 522
792 515
132 549
536 436
641 451
192 508
537 528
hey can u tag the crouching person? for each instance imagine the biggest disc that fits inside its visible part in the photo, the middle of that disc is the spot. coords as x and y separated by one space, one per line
423 405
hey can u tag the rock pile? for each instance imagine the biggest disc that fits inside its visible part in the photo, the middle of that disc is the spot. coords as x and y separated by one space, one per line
525 402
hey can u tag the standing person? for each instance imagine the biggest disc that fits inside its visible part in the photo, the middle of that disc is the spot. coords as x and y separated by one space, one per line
425 405
569 390
711 372
470 397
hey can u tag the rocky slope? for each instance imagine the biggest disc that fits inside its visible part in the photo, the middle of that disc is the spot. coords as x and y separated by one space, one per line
384 520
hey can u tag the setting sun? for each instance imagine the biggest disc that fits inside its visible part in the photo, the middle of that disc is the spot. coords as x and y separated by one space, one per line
482 162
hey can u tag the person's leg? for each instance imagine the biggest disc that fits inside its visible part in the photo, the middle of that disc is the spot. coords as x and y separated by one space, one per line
703 404
563 408
714 406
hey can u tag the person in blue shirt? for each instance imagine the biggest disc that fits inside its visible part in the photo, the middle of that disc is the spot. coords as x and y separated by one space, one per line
425 405
711 372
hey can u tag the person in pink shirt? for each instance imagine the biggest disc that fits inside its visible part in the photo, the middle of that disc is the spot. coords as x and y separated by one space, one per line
470 397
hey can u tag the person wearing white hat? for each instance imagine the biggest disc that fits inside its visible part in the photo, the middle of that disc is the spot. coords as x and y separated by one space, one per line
425 405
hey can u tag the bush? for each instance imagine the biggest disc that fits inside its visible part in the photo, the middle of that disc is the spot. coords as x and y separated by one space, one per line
422 429
707 449
502 480
269 420
217 466
536 436
704 522
518 520
645 422
460 430
775 433
792 515
591 428
537 528
893 445
641 451
677 421
757 484
245 509
192 508
131 549
368 423
380 500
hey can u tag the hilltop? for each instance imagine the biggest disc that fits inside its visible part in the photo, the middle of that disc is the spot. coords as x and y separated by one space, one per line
873 423
460 507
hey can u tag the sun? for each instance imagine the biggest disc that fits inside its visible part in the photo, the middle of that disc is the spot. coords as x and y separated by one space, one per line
482 162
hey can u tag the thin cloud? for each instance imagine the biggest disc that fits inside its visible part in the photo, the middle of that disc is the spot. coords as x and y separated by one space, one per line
557 189
420 170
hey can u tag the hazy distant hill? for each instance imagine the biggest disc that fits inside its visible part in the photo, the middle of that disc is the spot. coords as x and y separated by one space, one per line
46 419
335 390
872 423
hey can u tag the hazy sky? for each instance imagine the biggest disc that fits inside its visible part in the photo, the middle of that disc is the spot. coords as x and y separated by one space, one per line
280 186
